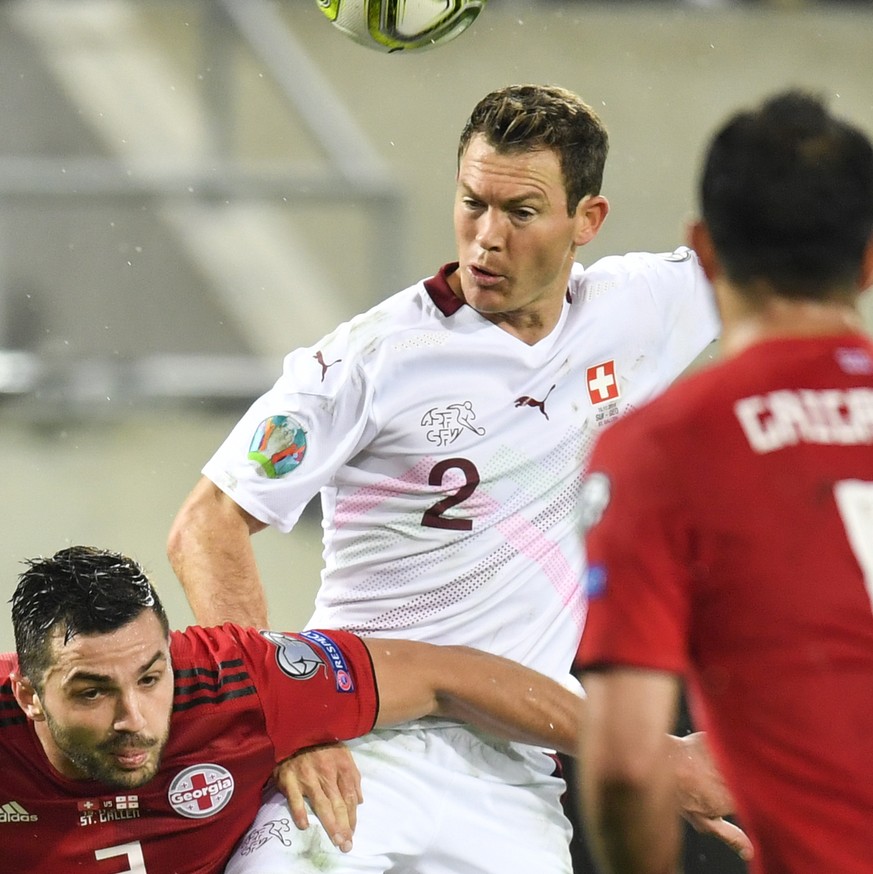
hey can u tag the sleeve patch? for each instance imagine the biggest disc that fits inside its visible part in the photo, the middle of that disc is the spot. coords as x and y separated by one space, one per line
335 658
296 658
278 446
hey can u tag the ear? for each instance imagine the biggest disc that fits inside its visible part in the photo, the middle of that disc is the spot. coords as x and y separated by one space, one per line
699 239
591 212
27 697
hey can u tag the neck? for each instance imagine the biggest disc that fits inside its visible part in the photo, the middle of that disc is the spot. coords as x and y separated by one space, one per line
745 322
530 321
530 326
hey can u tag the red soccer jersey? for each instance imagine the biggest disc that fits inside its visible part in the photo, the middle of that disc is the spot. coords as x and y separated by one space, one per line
243 700
735 546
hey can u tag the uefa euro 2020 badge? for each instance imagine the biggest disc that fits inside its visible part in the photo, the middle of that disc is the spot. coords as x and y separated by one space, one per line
278 446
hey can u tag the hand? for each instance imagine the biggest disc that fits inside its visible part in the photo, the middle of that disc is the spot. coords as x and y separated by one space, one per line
326 777
704 799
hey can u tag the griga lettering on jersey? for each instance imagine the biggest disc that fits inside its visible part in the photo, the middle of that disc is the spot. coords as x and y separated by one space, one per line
841 417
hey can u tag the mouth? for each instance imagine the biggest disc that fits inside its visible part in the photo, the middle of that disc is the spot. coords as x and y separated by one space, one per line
132 754
131 759
484 277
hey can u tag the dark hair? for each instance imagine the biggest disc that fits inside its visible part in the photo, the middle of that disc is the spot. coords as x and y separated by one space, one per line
523 118
80 590
787 194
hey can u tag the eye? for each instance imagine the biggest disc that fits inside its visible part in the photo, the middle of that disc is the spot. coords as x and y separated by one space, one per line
89 694
150 680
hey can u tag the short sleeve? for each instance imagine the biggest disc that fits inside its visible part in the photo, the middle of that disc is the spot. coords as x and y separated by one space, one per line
293 438
315 686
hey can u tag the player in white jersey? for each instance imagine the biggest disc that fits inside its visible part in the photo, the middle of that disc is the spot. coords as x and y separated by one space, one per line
450 499
447 431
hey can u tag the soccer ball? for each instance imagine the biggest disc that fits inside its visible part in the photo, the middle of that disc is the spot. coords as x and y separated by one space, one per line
401 25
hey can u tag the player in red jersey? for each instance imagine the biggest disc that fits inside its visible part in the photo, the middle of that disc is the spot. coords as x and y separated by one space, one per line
730 521
125 747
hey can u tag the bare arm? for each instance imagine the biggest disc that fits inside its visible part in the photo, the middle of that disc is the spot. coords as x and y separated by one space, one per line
627 780
210 549
508 701
495 694
419 679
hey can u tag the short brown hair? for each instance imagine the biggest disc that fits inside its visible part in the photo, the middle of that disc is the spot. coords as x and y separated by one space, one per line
533 117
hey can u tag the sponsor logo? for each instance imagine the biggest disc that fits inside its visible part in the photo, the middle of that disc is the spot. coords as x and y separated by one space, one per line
295 657
601 382
528 401
344 682
446 425
278 446
325 365
200 791
12 811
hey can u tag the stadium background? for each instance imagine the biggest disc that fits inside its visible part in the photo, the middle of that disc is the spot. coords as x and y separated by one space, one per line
188 190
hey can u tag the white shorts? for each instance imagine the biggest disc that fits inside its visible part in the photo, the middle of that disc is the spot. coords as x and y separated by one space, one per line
436 801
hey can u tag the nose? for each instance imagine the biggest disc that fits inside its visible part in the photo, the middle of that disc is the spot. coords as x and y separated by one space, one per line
129 714
490 232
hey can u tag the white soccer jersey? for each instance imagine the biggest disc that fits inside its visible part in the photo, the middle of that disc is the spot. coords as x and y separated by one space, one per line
449 453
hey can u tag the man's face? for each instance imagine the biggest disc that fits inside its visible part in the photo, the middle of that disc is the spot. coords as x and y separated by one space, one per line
106 704
516 243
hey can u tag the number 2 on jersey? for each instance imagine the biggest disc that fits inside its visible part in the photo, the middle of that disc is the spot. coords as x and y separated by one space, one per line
855 502
433 517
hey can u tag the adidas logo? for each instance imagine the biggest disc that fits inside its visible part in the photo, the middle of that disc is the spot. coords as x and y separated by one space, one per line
12 811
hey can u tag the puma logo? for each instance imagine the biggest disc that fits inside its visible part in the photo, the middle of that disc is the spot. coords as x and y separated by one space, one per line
324 365
528 401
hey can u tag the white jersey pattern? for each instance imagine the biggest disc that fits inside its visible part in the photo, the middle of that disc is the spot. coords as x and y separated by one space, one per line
449 453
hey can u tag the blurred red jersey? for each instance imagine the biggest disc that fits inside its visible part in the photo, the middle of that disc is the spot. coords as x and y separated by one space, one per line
731 541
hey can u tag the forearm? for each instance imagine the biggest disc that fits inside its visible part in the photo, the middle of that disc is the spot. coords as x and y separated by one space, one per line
633 829
210 551
499 696
627 776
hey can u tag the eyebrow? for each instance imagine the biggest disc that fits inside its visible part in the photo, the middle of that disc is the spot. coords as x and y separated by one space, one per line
513 201
90 677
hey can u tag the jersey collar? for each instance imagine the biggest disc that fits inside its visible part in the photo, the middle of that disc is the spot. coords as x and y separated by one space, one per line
445 300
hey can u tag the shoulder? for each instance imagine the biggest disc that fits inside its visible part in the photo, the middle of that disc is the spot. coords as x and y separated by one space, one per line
675 418
636 270
356 346
343 361
215 651
658 421
418 307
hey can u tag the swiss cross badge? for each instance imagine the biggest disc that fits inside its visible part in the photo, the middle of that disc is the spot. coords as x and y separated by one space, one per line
601 381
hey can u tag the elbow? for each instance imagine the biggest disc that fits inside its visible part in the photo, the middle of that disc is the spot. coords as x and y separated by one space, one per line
613 776
195 523
626 772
